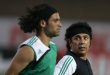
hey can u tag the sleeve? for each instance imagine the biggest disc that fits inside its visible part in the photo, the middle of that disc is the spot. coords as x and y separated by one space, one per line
66 66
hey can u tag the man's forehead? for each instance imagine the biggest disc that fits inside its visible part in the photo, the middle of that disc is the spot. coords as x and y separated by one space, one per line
81 34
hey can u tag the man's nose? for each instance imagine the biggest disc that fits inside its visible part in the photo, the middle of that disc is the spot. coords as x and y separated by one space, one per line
82 40
60 24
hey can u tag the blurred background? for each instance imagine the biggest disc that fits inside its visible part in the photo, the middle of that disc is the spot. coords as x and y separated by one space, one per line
95 12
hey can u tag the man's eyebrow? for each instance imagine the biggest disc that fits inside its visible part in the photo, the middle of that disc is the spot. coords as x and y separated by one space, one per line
77 36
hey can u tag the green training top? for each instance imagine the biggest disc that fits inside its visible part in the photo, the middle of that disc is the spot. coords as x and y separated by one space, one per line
43 63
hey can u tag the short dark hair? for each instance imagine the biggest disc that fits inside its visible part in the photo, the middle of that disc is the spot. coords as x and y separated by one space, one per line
76 28
30 22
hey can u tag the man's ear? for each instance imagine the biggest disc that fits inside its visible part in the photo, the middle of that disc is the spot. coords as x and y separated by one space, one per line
70 42
43 23
90 43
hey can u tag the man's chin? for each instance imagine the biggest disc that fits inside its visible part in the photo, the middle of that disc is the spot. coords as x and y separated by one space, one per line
54 35
82 53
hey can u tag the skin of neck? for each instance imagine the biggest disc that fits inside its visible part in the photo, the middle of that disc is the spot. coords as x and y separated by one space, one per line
84 57
44 38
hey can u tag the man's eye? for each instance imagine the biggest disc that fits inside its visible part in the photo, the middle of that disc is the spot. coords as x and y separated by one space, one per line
76 38
85 38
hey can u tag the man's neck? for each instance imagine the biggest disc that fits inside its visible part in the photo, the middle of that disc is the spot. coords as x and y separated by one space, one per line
45 39
84 57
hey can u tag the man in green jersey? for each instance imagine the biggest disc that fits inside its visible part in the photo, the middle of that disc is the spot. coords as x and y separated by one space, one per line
37 55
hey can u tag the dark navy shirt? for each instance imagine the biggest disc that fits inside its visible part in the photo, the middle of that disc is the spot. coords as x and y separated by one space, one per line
83 66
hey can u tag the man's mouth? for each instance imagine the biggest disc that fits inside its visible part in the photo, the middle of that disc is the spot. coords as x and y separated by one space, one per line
81 48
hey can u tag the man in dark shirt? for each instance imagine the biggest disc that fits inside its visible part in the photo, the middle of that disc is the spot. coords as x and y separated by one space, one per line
78 41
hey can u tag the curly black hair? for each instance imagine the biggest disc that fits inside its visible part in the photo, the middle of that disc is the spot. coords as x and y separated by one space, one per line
76 28
31 21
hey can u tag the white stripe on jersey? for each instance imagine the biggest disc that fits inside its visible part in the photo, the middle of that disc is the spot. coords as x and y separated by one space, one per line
66 66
